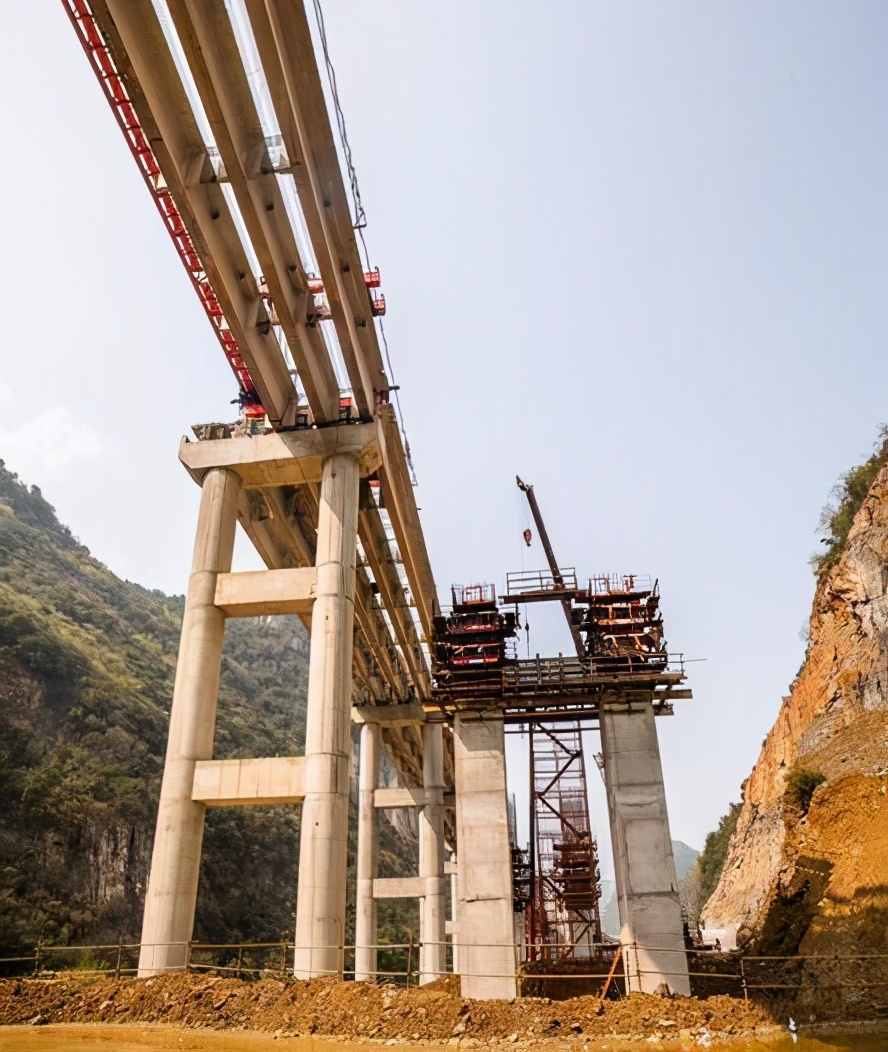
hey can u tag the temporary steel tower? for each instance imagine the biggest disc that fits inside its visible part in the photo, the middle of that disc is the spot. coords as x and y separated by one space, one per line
563 919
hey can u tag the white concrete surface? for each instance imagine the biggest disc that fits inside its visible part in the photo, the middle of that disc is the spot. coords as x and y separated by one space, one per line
241 783
647 887
320 904
486 943
432 954
368 855
263 592
398 887
171 897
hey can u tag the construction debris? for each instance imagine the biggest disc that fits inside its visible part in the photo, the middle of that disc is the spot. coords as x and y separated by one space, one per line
329 1007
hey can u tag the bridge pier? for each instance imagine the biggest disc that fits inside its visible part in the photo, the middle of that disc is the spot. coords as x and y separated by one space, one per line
432 930
368 855
647 889
175 863
484 878
320 903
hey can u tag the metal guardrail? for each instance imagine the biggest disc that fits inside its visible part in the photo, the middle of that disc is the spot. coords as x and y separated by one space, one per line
761 976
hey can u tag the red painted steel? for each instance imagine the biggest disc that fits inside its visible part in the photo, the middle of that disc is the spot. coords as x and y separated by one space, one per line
112 83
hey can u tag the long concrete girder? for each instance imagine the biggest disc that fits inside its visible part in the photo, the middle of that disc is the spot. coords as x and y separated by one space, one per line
213 57
386 657
143 59
284 42
287 53
283 39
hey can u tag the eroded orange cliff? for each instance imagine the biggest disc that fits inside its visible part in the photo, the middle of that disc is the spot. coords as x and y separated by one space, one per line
818 881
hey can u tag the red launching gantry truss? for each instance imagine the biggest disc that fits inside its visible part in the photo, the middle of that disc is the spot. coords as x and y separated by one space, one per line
103 65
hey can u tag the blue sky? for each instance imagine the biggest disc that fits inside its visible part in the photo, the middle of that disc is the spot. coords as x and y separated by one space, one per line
634 252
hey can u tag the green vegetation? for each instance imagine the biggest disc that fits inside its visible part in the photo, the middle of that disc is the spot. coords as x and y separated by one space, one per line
715 850
800 785
702 878
86 675
847 499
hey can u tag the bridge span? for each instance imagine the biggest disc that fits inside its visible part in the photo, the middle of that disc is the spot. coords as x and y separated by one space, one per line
224 111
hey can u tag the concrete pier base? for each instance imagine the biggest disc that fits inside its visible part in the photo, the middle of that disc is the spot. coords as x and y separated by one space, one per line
368 856
175 863
432 930
486 939
320 908
647 888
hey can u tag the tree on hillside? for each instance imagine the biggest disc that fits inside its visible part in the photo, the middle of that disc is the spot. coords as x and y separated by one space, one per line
704 875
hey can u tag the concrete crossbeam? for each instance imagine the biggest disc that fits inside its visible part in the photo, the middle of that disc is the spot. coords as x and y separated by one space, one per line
409 715
398 888
258 592
288 458
399 797
240 783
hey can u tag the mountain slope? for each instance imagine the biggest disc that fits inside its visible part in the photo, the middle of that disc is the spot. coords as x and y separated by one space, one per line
86 673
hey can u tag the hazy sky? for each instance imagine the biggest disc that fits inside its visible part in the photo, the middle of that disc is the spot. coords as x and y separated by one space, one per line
634 252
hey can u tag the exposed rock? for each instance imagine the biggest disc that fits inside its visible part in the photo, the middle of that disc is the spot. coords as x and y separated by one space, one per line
817 880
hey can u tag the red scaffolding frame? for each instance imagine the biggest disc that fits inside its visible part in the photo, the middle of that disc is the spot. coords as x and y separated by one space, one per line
563 915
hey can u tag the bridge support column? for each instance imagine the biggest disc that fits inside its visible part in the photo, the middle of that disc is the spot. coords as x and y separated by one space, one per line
484 880
647 888
454 913
320 907
175 862
432 928
368 856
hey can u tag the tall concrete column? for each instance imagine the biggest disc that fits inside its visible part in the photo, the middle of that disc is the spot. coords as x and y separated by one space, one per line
168 921
432 928
368 856
486 925
320 904
647 889
454 915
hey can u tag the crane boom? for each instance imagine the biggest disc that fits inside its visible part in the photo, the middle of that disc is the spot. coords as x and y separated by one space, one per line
557 576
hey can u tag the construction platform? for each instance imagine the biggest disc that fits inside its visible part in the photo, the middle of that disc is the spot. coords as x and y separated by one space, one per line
476 667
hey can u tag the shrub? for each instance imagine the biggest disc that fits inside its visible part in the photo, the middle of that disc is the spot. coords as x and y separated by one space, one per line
800 785
847 497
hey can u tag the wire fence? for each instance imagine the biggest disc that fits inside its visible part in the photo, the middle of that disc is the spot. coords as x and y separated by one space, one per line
841 986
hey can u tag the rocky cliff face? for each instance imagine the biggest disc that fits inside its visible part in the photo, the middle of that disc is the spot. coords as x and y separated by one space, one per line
816 879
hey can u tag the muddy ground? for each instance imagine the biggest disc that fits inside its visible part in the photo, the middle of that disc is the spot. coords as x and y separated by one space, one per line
356 1011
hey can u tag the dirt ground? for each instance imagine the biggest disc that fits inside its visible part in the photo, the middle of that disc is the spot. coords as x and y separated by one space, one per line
358 1011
